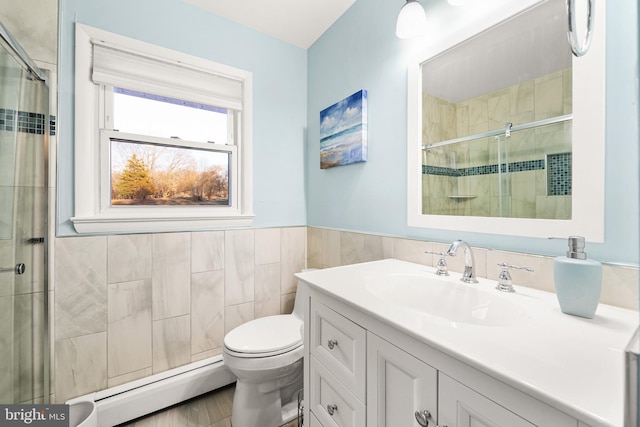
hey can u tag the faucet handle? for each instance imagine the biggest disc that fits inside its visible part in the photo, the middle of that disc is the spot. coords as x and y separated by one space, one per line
504 278
442 263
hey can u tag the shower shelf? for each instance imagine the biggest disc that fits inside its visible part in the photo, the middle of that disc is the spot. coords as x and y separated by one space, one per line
462 197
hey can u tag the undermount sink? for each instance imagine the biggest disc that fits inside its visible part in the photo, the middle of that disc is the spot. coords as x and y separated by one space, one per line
447 298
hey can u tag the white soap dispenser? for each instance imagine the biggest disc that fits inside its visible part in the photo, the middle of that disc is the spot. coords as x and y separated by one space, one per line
578 280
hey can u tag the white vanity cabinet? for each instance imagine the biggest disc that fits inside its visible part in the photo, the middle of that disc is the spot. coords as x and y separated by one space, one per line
360 375
387 339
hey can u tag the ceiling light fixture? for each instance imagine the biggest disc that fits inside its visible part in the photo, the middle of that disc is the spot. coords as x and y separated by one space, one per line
412 21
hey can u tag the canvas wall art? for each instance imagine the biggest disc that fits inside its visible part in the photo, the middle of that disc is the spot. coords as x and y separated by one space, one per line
343 131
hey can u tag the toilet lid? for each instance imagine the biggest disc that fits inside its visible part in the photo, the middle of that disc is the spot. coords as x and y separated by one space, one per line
265 335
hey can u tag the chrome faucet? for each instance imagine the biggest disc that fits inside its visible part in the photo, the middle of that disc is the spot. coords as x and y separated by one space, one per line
469 275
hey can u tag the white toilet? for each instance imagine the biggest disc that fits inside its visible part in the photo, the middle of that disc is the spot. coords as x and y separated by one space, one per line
266 356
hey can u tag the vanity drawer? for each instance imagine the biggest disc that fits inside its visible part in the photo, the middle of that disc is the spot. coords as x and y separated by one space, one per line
340 345
331 402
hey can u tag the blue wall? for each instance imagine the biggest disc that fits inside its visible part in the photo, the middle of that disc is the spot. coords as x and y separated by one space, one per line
280 85
292 85
360 51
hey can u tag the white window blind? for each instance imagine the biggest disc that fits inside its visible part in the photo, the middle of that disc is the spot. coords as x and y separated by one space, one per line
115 66
104 61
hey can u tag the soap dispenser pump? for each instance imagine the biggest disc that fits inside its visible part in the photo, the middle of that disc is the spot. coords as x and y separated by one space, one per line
578 280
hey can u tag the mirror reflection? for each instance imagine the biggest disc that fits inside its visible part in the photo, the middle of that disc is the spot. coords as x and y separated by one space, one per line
497 121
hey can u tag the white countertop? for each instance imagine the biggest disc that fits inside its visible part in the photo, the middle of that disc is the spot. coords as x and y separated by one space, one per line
572 363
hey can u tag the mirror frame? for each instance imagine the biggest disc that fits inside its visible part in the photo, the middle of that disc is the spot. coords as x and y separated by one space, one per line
588 142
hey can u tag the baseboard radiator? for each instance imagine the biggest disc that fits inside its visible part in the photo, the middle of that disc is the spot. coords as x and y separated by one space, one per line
135 399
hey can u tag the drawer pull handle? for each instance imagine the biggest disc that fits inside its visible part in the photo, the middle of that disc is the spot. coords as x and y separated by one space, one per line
423 417
332 344
331 409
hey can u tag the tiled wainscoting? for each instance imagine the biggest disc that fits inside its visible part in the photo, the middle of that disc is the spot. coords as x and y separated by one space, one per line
128 306
331 248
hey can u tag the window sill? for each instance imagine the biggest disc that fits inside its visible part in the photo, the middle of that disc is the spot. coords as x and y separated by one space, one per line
109 223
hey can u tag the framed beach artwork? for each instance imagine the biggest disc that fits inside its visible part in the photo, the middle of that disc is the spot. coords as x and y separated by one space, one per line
343 131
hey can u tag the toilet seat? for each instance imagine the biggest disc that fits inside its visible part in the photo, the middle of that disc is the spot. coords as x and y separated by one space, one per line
264 337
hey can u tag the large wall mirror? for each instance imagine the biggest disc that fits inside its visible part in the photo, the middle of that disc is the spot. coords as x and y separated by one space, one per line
506 130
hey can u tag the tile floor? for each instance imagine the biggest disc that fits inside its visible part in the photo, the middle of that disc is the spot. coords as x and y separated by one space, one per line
209 410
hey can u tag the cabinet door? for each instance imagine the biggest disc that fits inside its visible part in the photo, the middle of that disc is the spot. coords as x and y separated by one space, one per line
313 421
398 385
463 407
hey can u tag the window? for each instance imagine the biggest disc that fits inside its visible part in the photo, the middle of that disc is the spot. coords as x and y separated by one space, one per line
153 115
151 174
162 140
145 173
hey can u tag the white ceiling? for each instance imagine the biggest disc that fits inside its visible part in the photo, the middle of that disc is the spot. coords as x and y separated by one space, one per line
299 22
527 46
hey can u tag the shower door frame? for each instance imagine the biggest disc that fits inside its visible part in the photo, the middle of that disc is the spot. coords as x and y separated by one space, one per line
13 46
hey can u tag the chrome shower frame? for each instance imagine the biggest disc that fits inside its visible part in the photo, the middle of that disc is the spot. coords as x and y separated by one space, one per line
7 40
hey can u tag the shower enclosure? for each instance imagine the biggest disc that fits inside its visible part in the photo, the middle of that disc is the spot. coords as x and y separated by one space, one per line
520 171
24 135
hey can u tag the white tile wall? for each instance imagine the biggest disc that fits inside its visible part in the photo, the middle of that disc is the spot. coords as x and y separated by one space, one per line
236 315
267 290
207 311
239 266
81 291
171 274
129 257
171 343
128 327
112 328
619 283
128 306
207 251
293 243
80 365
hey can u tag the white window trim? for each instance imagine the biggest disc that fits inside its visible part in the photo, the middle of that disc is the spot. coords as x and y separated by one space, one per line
91 160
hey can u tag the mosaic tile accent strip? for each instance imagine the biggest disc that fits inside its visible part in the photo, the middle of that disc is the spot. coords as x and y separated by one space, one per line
527 165
26 122
558 171
440 171
559 174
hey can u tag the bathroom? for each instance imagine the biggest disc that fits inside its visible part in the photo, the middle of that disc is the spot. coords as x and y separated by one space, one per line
103 284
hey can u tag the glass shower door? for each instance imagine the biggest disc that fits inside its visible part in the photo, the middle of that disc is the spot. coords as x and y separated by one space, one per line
24 127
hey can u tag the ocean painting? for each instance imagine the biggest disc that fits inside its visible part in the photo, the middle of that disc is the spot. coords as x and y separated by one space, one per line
343 132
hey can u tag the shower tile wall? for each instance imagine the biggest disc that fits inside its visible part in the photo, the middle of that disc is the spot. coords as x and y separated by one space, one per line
34 23
542 98
128 306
